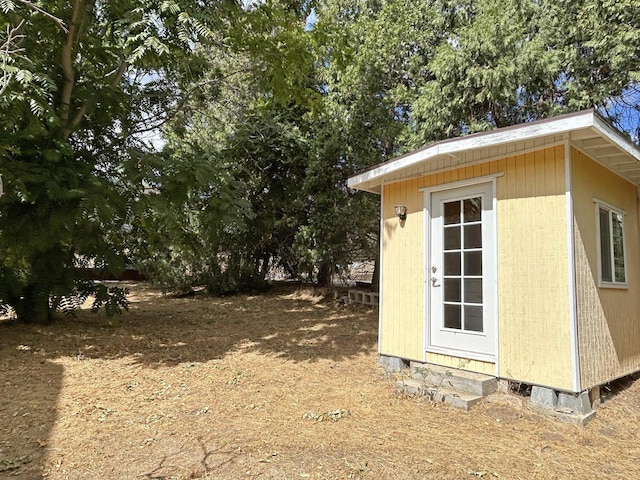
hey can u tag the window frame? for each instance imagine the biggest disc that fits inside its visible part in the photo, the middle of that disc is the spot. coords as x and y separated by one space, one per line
611 210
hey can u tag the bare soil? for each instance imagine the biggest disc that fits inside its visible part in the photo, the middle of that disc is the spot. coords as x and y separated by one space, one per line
278 386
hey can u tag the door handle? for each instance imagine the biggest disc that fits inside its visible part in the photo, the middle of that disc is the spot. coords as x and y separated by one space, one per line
433 282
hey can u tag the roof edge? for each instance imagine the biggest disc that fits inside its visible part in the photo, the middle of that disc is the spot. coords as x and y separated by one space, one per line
523 131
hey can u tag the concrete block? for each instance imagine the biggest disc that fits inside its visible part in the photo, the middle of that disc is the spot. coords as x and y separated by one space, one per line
363 297
460 400
577 402
451 397
471 382
543 397
566 415
503 386
410 387
392 364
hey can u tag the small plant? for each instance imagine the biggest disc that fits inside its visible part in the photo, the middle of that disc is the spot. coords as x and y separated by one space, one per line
428 389
333 415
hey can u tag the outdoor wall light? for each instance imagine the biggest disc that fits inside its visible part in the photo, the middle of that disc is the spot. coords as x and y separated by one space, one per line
401 212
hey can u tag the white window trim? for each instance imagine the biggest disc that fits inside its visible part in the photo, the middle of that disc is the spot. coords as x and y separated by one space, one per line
613 284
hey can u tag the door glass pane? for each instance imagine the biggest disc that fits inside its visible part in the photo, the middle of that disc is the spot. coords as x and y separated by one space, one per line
605 246
452 316
473 318
452 290
452 238
460 296
472 209
451 212
473 263
618 247
473 290
473 236
452 263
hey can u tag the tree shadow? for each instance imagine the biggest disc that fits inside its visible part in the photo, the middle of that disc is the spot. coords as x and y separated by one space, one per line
29 390
160 330
212 459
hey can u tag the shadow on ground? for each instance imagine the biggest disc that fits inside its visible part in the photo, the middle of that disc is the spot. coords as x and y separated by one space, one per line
28 405
160 331
164 330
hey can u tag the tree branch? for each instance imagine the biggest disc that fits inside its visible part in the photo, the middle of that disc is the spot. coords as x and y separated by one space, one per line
115 81
36 8
118 74
68 74
7 51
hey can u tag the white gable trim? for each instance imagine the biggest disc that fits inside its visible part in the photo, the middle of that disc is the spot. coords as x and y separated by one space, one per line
586 130
527 131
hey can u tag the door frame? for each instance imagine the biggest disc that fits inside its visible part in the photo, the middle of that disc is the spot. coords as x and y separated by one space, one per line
427 192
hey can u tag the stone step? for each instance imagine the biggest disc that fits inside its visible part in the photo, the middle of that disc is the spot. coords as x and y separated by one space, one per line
470 382
450 396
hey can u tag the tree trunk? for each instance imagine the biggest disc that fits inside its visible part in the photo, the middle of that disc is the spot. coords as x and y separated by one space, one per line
33 308
324 274
375 280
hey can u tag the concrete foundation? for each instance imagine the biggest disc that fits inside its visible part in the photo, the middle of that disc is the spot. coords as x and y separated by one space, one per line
543 397
574 408
576 402
392 364
503 386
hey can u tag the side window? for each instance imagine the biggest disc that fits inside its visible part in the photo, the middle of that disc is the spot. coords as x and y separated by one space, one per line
611 246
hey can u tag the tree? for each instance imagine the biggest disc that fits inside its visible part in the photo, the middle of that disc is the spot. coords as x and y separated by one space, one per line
275 154
265 119
229 183
504 63
83 80
600 50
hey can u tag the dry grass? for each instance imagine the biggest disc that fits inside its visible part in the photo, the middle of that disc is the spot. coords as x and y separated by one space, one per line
232 388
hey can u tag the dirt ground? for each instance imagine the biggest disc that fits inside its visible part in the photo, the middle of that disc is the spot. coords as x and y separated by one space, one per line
278 386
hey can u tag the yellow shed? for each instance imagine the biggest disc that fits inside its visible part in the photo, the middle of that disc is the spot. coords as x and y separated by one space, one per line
514 253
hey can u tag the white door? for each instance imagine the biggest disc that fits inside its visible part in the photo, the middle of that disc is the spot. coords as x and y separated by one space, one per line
461 275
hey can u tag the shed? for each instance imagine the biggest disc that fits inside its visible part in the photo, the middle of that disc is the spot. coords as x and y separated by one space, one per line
518 255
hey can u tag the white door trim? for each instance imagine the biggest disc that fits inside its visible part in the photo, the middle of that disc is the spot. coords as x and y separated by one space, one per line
428 347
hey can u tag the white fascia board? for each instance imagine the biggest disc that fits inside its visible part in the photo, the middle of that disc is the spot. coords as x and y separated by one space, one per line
527 131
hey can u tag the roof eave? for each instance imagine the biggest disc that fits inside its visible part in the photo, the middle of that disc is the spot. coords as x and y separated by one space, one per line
371 180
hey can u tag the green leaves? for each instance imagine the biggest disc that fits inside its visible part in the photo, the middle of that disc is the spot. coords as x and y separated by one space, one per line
80 81
264 117
7 6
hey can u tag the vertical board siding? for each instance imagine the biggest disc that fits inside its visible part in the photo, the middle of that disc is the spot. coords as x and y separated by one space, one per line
608 319
534 337
533 285
402 329
477 366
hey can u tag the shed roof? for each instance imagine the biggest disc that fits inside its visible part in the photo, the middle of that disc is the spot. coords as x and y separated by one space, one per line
586 130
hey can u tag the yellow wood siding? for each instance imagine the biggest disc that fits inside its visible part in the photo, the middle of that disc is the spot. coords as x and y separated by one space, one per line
533 280
608 319
533 288
402 296
477 366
